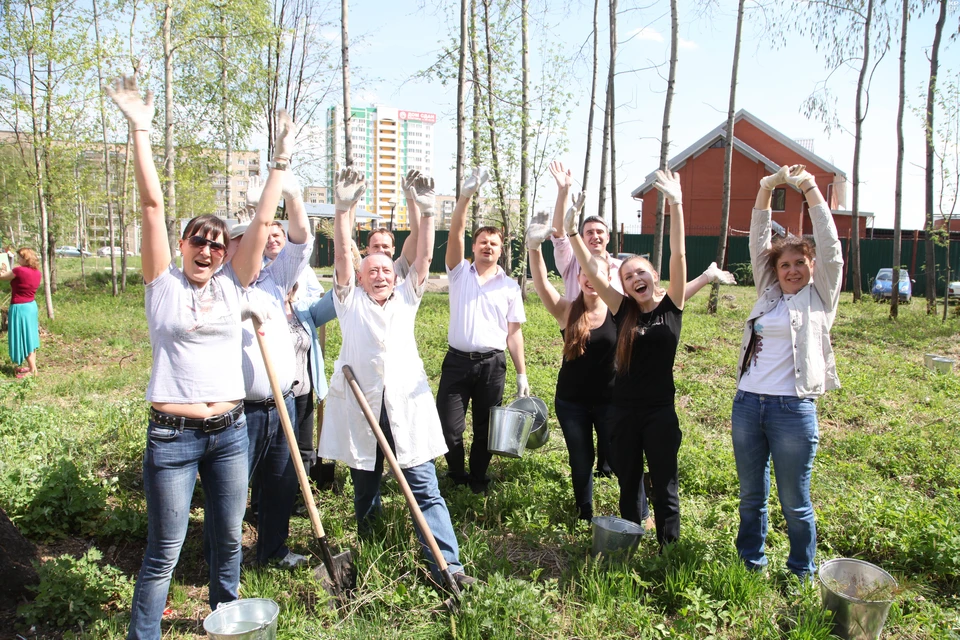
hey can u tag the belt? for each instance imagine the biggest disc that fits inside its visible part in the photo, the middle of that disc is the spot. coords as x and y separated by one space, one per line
270 402
475 355
207 425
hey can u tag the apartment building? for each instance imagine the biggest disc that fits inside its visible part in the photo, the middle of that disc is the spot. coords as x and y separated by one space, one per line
386 143
315 195
244 165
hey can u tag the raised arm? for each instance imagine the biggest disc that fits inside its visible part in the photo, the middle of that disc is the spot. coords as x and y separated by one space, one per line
298 226
761 231
552 300
668 183
458 223
409 250
347 192
426 201
828 274
154 245
588 264
564 181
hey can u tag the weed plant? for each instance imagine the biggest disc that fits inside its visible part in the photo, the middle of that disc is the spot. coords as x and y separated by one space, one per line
885 489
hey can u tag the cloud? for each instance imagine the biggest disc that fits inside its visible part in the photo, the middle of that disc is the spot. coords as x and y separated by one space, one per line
686 44
646 33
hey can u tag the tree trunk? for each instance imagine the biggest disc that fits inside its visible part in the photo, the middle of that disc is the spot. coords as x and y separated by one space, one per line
477 108
345 54
169 151
506 257
928 170
524 137
857 144
124 199
612 109
593 105
224 96
461 97
727 163
898 189
51 186
106 156
604 154
665 134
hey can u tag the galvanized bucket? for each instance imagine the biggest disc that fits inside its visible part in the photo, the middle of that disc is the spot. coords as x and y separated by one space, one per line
615 535
539 433
928 360
250 619
943 365
859 594
509 430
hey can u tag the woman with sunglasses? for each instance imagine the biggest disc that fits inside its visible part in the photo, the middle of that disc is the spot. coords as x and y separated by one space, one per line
196 385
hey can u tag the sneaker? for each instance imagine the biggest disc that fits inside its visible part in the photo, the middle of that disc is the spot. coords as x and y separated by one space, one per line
292 560
463 580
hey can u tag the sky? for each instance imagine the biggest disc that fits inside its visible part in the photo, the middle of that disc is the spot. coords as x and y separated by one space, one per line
393 41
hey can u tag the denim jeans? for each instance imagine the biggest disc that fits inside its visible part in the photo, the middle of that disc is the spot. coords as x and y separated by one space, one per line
170 465
578 422
272 476
783 428
423 484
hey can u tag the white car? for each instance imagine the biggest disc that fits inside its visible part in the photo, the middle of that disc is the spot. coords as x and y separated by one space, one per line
104 252
953 289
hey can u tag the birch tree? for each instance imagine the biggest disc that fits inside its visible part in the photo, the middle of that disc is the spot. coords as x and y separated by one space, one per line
931 262
898 187
665 133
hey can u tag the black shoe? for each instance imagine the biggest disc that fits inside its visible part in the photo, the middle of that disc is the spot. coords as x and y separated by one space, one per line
480 486
459 479
463 580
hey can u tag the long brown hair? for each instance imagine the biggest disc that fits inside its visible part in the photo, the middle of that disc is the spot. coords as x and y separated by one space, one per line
30 257
791 243
576 334
627 326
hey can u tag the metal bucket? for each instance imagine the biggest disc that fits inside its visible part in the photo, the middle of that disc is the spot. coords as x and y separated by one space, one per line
943 365
250 619
509 430
615 534
539 433
859 594
928 360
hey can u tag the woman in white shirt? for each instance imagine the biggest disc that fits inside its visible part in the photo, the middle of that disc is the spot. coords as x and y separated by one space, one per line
786 363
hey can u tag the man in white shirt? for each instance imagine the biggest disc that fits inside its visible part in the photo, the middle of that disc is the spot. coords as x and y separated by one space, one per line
486 312
377 323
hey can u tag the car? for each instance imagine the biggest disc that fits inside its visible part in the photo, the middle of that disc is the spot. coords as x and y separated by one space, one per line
67 251
104 252
882 288
953 289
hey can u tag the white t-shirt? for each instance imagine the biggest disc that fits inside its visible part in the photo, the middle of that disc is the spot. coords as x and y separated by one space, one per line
479 314
771 369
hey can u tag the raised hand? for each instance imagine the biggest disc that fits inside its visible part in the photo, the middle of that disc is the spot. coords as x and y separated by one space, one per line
407 184
284 136
771 182
474 181
799 175
668 183
570 218
714 273
291 186
254 191
350 185
561 174
125 94
536 234
425 195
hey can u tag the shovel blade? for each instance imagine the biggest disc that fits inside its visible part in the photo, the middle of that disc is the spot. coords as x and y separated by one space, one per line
344 576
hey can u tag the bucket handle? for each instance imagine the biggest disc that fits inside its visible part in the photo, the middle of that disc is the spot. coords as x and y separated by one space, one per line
236 603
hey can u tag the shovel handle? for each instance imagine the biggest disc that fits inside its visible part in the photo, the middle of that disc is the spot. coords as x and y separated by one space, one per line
401 479
288 432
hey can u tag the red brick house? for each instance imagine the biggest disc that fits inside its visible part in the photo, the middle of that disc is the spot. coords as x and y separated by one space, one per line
759 150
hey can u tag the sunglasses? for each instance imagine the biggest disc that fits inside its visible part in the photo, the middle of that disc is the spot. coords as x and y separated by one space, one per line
199 242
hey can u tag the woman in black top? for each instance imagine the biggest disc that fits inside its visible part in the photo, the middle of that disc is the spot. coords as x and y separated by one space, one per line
648 330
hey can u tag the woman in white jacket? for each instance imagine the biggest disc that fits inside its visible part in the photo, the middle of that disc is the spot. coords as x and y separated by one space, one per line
786 363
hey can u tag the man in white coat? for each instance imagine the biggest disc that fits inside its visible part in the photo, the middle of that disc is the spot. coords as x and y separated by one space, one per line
377 322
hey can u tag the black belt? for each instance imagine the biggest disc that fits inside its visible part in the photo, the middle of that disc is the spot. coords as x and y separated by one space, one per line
475 355
207 425
269 403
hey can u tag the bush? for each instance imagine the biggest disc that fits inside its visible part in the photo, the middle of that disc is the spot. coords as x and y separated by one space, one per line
66 502
743 272
73 592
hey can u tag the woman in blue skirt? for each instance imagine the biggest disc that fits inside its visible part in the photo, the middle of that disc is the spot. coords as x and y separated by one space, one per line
23 336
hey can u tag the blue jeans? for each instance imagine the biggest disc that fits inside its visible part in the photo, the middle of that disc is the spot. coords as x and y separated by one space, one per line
423 483
784 428
273 477
170 465
578 422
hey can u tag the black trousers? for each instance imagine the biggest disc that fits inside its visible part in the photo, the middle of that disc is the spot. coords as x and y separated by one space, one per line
654 433
479 383
304 430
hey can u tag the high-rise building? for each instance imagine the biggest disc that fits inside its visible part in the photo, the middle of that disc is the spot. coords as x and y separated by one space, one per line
386 143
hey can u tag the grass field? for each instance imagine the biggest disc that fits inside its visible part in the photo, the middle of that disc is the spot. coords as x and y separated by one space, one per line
886 488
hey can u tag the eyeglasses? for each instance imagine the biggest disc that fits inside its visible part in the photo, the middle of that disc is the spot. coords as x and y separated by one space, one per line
199 242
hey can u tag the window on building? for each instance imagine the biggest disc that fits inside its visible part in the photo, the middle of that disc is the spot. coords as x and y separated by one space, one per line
779 200
241 161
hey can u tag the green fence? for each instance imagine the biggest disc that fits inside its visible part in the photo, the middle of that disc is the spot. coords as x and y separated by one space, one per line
702 250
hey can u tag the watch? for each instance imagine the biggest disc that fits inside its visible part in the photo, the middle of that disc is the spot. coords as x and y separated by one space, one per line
280 164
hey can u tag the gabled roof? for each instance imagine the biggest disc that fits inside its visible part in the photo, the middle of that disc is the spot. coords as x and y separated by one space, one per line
719 132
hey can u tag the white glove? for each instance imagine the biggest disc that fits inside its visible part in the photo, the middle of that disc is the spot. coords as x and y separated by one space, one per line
407 184
570 218
473 182
426 197
771 182
284 136
290 187
256 311
668 183
536 234
714 273
798 175
350 185
125 94
523 387
254 191
561 174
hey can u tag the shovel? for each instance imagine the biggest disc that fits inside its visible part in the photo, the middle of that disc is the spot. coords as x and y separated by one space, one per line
337 574
323 473
402 481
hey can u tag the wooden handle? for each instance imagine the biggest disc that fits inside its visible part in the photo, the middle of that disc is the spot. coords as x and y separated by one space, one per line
288 432
397 472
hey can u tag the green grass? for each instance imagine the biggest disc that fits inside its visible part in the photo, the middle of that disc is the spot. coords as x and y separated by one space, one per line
885 488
